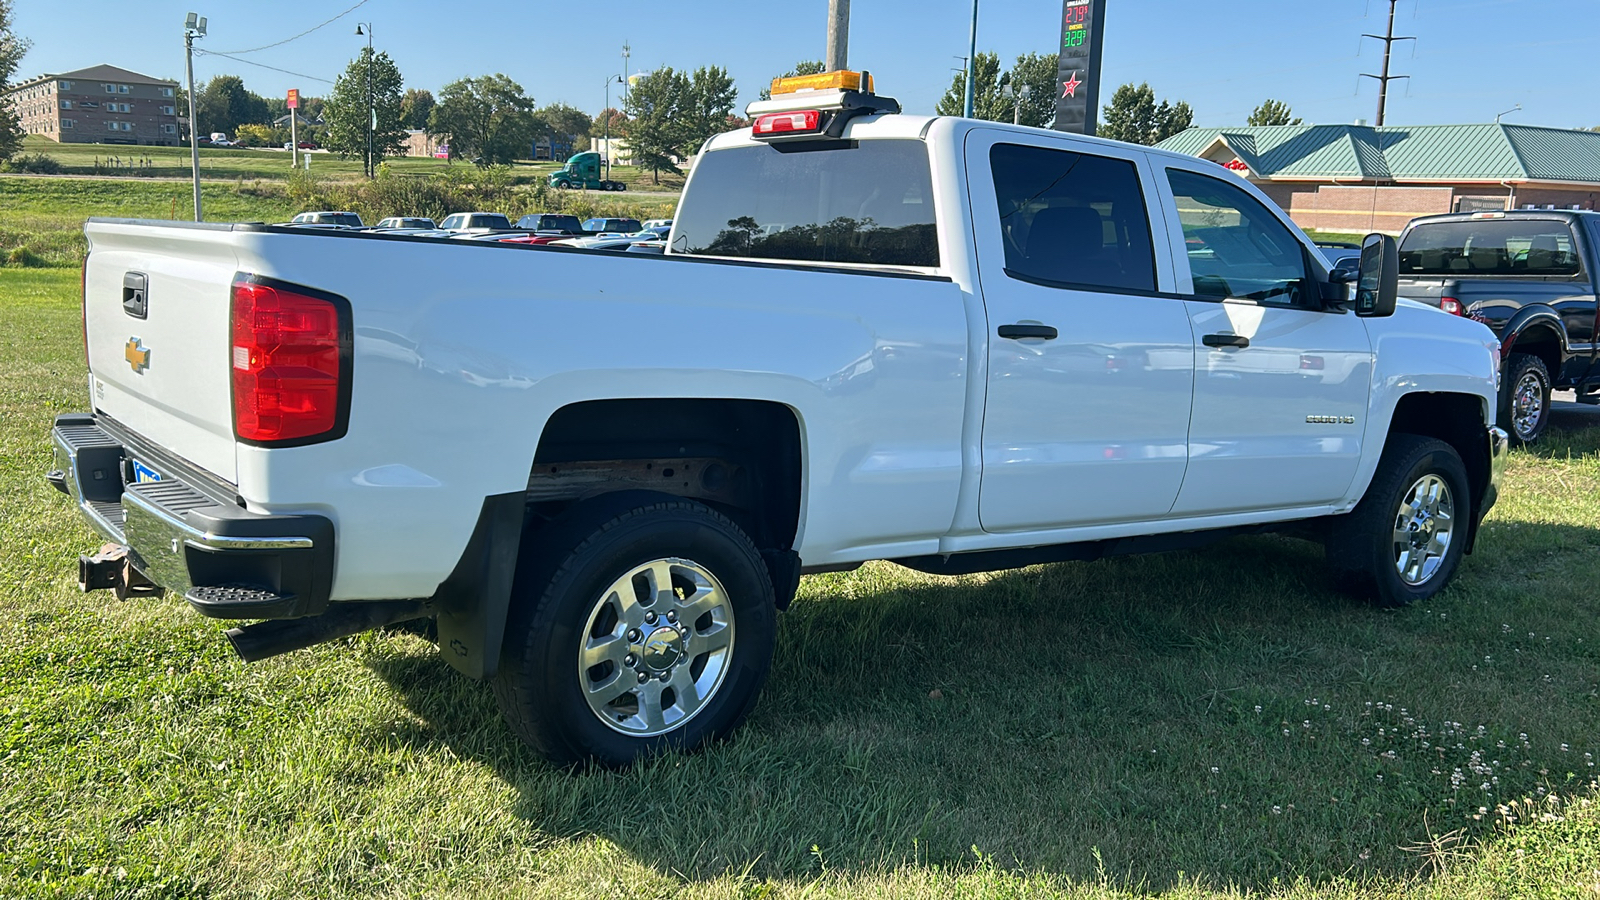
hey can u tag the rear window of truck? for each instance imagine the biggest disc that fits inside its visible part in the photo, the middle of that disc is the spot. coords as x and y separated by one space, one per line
1490 247
863 202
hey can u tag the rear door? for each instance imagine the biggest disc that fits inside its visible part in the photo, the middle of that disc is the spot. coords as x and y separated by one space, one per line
1281 383
1090 367
156 314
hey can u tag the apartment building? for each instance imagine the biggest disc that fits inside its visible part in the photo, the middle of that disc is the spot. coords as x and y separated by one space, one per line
98 105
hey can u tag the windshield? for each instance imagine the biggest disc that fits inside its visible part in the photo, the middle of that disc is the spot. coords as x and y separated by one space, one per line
846 202
1490 247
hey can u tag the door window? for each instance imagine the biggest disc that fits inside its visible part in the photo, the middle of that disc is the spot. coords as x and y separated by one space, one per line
1236 248
1071 219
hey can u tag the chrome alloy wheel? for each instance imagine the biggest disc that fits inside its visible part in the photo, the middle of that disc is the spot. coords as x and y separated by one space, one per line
1527 404
656 647
1423 528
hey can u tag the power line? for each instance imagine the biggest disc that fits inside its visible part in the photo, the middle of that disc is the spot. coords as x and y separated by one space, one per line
262 65
300 35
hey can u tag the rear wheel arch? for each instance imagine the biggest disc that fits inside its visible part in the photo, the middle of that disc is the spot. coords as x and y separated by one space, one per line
1543 338
758 444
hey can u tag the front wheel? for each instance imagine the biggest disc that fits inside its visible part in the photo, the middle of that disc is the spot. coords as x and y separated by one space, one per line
636 629
1404 540
1525 397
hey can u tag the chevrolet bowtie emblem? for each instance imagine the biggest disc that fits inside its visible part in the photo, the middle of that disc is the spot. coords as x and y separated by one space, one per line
138 356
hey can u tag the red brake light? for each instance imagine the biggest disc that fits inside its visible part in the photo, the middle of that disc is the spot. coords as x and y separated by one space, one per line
801 122
1450 305
290 364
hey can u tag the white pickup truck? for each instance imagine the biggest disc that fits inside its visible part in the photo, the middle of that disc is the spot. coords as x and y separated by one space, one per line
953 344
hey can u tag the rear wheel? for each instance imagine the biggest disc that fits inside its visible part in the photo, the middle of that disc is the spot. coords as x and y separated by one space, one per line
638 628
1525 397
1404 540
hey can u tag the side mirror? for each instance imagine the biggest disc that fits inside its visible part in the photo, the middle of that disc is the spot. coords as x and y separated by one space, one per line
1378 279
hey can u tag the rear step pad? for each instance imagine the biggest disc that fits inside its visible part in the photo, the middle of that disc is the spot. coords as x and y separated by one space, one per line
239 601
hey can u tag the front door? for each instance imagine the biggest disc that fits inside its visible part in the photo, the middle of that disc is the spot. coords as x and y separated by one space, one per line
1090 371
1281 383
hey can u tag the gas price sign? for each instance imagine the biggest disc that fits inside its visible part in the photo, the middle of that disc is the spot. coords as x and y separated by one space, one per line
1078 71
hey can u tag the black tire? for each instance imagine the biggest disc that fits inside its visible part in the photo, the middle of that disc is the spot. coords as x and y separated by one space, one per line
562 585
1514 409
1363 546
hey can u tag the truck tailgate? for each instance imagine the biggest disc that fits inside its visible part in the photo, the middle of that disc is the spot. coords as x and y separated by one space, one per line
156 318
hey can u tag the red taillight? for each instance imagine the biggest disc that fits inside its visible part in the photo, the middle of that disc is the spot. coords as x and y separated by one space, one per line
806 120
1450 305
289 362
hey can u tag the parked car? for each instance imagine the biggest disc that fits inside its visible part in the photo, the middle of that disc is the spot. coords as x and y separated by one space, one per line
611 226
600 242
551 223
342 219
658 223
959 345
475 221
395 222
1530 275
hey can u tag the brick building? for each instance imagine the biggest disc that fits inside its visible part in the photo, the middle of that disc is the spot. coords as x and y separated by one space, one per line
98 105
1358 178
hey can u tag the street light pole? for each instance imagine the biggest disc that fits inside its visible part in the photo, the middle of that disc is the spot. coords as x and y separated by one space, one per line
1019 95
627 56
194 26
614 79
372 111
972 62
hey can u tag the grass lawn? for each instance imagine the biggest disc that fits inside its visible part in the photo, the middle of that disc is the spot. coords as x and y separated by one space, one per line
1188 725
274 165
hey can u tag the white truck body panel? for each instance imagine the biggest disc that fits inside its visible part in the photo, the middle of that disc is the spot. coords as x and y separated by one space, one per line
921 432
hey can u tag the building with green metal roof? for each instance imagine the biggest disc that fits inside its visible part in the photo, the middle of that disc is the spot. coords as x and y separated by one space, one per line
1364 178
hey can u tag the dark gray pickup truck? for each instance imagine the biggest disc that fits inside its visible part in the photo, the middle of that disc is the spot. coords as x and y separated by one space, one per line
1530 276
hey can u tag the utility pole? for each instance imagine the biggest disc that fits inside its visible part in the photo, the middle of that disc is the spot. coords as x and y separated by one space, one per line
839 36
372 111
1383 80
194 26
972 62
607 113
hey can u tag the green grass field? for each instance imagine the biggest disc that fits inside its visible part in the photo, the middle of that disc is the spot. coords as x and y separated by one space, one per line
1188 725
229 164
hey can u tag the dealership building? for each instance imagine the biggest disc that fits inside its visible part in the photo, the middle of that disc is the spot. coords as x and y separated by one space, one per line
1358 178
98 105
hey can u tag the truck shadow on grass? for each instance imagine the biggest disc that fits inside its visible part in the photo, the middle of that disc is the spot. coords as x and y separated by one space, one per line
1220 713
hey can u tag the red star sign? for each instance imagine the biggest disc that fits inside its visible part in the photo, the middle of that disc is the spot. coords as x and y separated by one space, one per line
1069 88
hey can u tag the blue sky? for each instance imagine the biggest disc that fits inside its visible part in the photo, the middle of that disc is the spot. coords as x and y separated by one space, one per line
1474 58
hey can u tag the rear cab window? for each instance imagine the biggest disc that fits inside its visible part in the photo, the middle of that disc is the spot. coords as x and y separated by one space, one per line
866 202
1070 219
1484 247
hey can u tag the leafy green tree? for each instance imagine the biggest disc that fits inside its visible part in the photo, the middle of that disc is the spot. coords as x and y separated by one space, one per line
488 119
1135 117
707 108
415 107
656 132
12 49
804 67
1272 112
564 123
347 113
224 104
1036 71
